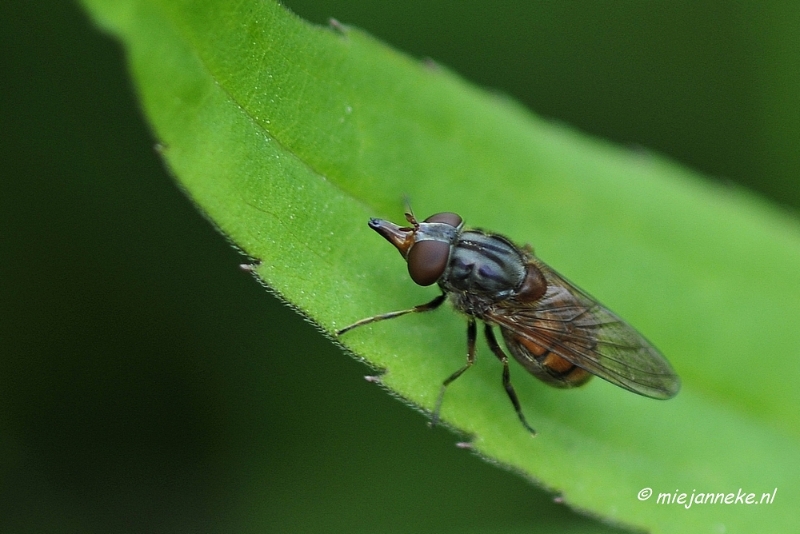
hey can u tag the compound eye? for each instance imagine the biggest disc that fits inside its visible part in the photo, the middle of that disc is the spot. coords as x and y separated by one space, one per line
427 261
453 219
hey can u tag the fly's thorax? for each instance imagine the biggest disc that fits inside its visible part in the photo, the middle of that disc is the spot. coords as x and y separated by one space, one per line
486 265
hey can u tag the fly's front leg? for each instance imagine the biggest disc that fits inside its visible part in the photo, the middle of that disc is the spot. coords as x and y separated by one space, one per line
506 376
472 335
430 306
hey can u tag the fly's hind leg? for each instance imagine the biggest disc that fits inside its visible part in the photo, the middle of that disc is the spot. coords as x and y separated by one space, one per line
506 376
429 306
472 335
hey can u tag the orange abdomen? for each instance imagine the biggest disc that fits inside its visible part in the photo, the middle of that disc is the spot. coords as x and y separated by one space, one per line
545 364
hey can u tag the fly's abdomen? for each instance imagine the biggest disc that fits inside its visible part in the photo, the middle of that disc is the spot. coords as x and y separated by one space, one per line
543 363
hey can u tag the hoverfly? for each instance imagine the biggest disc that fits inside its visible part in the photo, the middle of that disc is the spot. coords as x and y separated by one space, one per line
556 331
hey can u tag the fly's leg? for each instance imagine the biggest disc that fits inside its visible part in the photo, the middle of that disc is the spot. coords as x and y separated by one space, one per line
472 335
430 306
506 376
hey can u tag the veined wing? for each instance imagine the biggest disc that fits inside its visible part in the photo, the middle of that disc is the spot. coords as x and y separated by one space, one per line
571 324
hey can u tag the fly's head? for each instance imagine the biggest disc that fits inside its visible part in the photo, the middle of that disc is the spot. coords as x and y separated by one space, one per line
426 246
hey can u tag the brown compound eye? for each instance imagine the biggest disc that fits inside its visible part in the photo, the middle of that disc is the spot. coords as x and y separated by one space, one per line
427 261
453 219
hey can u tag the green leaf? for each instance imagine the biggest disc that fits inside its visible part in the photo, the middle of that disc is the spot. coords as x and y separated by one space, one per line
289 136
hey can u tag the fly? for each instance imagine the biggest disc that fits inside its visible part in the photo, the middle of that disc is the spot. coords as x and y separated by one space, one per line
556 331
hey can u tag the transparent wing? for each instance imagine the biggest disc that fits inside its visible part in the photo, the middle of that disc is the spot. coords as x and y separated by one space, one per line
571 324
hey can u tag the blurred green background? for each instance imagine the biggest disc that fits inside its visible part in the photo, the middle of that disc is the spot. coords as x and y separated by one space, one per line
148 385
